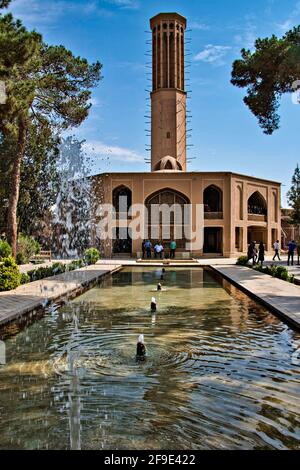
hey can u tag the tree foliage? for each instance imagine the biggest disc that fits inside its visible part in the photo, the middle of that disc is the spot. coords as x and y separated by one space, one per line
4 3
294 197
44 84
268 73
39 179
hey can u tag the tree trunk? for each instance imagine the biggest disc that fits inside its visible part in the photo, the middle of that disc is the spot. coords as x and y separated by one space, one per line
12 226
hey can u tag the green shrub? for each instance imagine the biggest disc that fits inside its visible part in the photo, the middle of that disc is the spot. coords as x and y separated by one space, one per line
27 247
25 278
58 268
242 261
259 268
40 273
91 256
282 273
5 249
49 271
10 276
291 279
76 264
21 259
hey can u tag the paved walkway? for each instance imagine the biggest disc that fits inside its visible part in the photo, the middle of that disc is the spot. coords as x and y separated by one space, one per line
38 294
280 296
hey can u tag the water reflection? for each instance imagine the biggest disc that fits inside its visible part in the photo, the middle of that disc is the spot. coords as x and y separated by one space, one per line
219 372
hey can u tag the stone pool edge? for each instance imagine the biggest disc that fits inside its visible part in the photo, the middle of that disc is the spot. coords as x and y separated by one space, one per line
33 297
280 297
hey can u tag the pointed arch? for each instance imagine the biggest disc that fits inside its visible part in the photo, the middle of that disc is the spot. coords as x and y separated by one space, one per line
122 198
172 228
213 199
257 205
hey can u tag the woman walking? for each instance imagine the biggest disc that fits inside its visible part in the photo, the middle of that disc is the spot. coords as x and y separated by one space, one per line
261 253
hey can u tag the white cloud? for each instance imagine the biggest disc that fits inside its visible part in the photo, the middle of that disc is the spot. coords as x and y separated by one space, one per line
213 54
285 26
95 103
126 4
291 21
31 11
246 39
199 26
41 12
121 154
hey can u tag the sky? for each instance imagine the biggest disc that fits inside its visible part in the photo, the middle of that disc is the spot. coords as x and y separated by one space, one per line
225 135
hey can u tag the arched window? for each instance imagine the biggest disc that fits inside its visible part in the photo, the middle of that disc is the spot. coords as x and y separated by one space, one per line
168 163
122 199
257 204
167 196
171 227
213 199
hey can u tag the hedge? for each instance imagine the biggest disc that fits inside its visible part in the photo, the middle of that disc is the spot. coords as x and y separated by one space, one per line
10 276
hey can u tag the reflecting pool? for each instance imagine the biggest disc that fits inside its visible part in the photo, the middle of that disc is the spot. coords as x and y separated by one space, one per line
221 371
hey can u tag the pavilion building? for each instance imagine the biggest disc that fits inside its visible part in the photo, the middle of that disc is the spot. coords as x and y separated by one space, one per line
238 209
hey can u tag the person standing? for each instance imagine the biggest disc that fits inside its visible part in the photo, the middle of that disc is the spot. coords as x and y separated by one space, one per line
261 253
143 250
255 255
251 252
158 250
292 247
148 246
173 247
276 249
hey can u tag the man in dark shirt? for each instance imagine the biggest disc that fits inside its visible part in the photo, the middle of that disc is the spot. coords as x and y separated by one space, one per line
292 247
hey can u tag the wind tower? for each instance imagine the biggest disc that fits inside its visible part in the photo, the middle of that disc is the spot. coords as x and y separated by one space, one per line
168 96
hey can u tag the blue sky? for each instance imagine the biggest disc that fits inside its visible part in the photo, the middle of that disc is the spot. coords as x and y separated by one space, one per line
225 136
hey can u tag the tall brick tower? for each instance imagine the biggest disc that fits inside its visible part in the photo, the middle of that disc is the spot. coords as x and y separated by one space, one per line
168 97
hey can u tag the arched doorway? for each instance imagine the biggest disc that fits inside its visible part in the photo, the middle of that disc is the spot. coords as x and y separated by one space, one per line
122 202
257 205
213 200
174 226
122 199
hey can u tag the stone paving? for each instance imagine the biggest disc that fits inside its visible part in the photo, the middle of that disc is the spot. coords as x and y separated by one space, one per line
280 296
29 297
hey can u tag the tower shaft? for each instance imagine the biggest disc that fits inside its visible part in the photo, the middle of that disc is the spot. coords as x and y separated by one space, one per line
168 97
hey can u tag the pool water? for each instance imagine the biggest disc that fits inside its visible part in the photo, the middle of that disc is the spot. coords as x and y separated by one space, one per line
221 371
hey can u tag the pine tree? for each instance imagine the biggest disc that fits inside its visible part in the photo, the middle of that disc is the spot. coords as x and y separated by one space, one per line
4 3
44 83
294 197
267 74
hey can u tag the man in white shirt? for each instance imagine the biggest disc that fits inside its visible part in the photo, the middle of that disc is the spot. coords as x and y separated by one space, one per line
158 250
276 249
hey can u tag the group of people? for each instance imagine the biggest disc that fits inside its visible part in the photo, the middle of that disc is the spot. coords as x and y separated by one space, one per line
258 256
158 249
